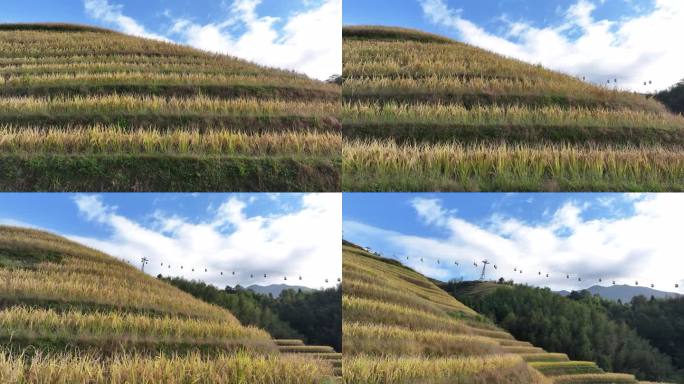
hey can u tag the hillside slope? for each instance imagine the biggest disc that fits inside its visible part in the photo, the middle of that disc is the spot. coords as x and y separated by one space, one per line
72 314
581 327
84 108
422 113
398 327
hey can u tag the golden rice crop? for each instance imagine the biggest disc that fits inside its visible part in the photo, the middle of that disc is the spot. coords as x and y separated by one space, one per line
402 280
156 104
433 86
102 139
44 323
412 58
487 166
149 79
222 369
369 311
229 64
90 277
62 284
488 115
376 370
386 340
110 67
386 293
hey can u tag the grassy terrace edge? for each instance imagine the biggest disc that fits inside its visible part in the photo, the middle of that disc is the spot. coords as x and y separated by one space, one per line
523 134
367 32
126 173
54 27
218 91
170 122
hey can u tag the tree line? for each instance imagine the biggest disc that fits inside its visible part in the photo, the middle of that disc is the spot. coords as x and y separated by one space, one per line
643 337
673 98
313 316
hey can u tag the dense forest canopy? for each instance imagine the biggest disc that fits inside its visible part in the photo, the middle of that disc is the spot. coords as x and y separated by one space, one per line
586 327
315 317
673 98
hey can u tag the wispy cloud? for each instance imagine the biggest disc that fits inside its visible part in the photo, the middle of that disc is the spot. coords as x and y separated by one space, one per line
643 246
633 49
302 242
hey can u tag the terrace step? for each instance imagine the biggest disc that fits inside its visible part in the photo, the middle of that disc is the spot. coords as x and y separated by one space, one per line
322 352
562 368
520 350
604 378
306 349
539 357
289 342
514 343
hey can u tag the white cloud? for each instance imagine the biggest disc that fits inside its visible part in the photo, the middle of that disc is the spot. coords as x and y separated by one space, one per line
302 242
310 41
634 49
111 14
644 246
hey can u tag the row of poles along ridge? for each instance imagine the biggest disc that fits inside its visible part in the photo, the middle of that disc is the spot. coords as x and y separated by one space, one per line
144 261
517 270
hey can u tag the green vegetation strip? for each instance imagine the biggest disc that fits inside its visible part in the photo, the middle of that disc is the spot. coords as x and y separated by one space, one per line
62 306
472 100
605 378
163 122
106 140
171 90
391 33
566 368
53 27
408 133
166 173
108 346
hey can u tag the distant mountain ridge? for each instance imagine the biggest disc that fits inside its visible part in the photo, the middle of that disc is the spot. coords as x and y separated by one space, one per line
625 293
276 289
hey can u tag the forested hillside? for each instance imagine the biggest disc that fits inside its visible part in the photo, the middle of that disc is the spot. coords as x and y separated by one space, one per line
661 322
315 317
673 98
580 325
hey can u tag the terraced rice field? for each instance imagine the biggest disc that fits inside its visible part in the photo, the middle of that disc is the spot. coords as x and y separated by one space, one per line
89 109
70 314
426 113
398 327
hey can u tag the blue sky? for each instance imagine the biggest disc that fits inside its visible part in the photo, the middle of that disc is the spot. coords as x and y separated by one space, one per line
622 237
277 234
302 35
599 39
